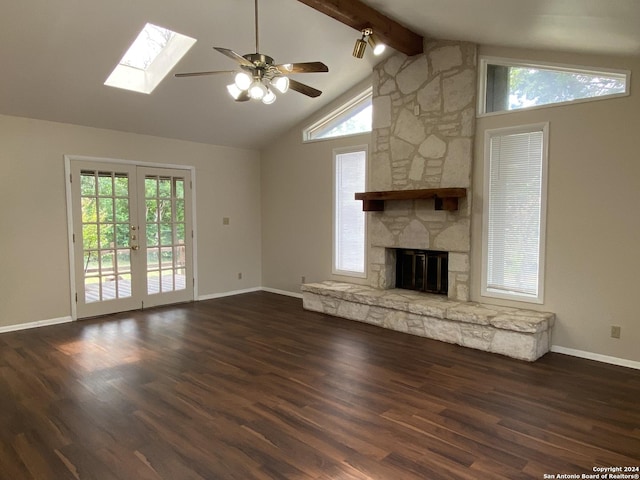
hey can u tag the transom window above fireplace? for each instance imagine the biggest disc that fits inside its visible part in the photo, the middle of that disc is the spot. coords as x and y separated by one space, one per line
351 118
508 84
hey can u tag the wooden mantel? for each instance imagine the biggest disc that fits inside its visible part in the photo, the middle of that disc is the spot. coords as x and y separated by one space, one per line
445 198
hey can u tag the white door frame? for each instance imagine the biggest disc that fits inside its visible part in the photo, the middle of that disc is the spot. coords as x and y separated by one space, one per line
67 171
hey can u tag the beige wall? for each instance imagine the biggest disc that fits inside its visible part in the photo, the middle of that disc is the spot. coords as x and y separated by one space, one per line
593 225
34 281
297 206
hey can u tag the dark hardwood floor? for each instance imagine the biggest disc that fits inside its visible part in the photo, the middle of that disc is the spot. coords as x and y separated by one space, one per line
253 387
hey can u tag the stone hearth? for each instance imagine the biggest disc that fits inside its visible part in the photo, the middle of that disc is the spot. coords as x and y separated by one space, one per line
517 333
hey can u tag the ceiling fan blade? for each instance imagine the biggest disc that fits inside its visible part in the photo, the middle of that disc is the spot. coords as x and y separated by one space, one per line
234 56
306 67
304 89
198 74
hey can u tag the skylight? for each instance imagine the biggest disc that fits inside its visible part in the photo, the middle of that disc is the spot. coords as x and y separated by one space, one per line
149 59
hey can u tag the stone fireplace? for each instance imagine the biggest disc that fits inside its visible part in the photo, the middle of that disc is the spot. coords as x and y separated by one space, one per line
423 130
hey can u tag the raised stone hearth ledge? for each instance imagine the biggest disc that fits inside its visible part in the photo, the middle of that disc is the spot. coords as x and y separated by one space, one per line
517 333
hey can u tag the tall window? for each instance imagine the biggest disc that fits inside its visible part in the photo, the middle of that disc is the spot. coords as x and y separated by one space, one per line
514 217
350 166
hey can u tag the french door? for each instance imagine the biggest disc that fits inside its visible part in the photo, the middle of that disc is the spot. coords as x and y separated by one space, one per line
132 236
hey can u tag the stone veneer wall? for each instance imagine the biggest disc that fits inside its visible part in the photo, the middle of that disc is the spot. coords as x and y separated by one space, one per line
423 130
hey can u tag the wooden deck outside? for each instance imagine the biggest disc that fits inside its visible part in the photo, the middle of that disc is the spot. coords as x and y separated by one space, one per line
92 291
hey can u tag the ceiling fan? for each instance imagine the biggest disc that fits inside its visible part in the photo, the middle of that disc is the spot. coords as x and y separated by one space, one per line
259 75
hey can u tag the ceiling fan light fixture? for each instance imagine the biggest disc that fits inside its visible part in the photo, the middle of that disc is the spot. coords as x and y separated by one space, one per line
280 83
269 98
243 80
234 91
257 90
237 94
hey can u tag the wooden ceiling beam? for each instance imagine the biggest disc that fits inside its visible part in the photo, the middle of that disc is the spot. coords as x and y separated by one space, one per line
358 15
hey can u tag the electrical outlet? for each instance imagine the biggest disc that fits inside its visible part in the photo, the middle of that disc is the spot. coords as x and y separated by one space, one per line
615 331
225 220
304 279
239 275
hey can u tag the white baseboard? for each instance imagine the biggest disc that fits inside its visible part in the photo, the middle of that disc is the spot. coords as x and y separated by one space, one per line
281 292
623 362
39 323
228 294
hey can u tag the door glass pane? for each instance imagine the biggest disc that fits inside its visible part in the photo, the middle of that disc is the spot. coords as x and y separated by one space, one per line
122 210
106 262
152 210
180 256
105 209
166 284
166 237
179 272
105 184
124 261
180 276
167 257
152 234
122 185
180 229
90 236
91 289
153 285
106 236
124 285
164 188
108 288
87 184
89 212
150 187
90 262
179 210
122 235
153 255
165 210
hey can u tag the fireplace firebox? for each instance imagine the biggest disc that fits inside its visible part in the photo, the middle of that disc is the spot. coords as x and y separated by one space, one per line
422 270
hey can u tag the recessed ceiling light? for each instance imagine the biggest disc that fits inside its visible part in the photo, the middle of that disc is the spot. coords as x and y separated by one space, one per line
150 57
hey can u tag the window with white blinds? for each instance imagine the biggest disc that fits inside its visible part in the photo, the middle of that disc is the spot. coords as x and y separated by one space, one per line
350 166
514 217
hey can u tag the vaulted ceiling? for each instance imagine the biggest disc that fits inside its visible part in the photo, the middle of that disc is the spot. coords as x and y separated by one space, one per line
56 55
